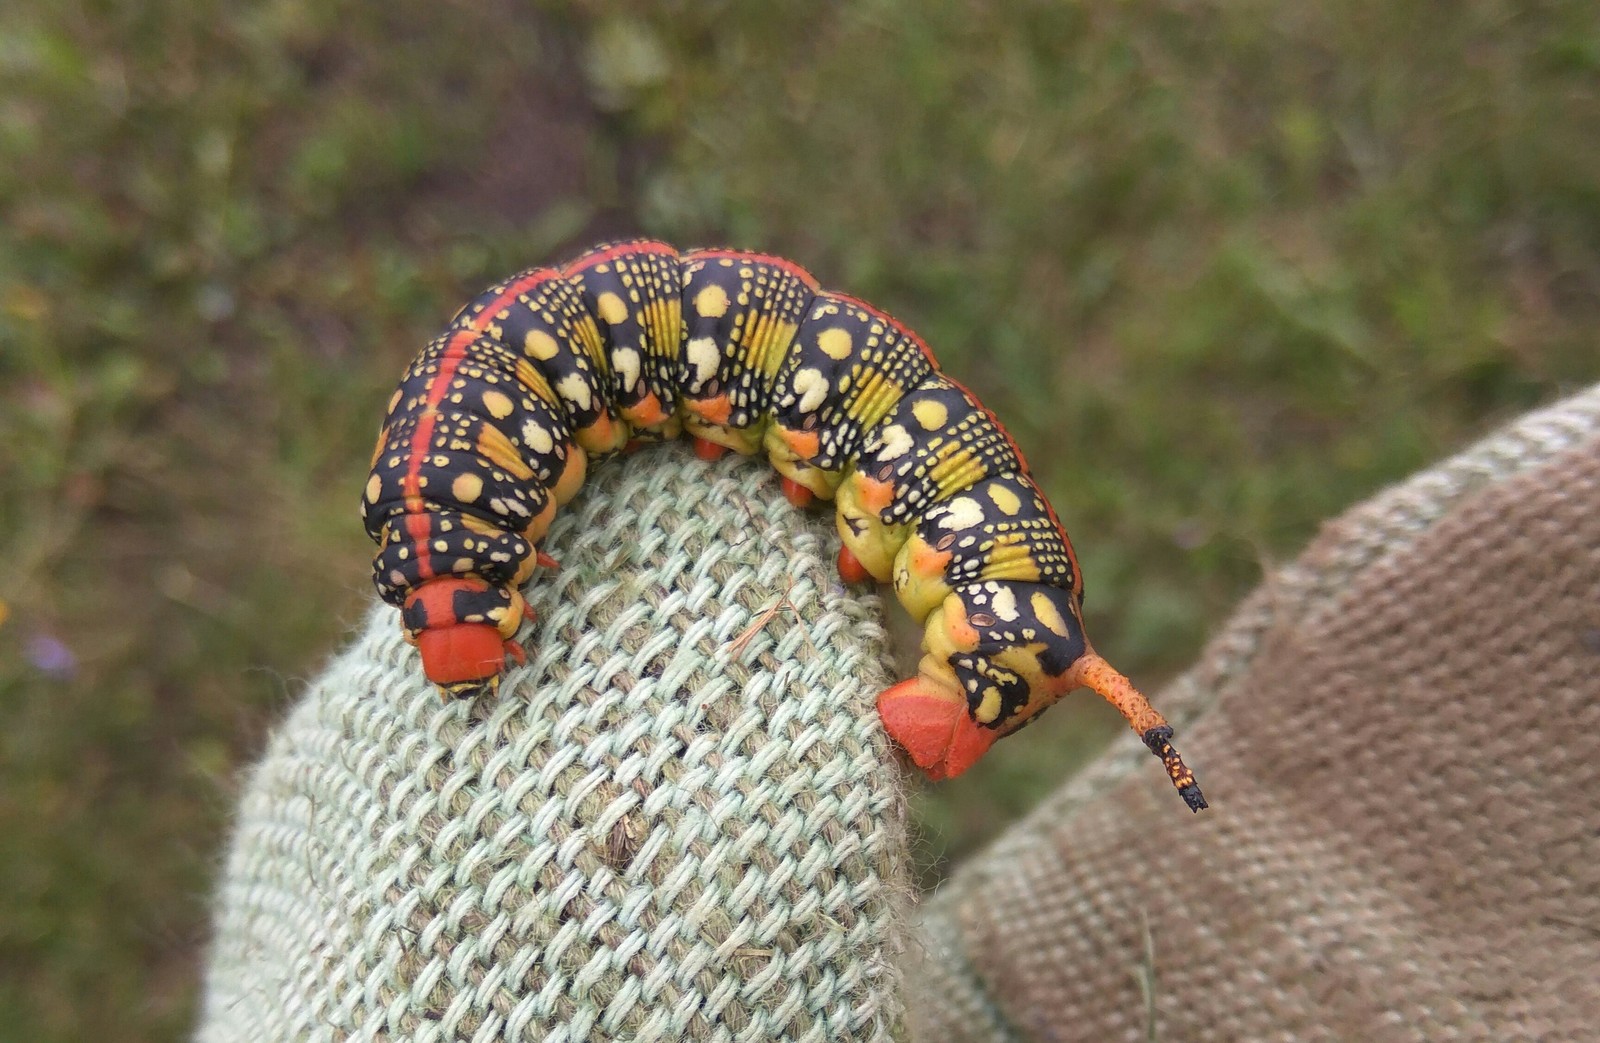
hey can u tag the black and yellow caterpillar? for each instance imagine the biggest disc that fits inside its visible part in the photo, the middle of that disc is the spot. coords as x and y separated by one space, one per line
497 420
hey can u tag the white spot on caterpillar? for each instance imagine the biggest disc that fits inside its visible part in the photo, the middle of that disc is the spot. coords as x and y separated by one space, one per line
813 388
896 443
536 437
575 389
703 356
1005 604
625 362
963 513
374 488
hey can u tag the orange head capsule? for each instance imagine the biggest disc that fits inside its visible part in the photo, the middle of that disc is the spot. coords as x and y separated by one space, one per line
459 625
462 657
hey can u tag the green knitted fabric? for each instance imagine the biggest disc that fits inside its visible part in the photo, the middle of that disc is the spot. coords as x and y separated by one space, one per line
681 820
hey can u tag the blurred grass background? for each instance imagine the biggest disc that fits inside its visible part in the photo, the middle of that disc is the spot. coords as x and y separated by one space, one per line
1224 269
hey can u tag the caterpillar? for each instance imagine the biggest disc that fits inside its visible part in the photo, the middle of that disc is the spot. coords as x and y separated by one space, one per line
496 422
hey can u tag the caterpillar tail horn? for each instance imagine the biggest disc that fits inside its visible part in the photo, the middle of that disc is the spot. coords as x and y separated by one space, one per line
1093 672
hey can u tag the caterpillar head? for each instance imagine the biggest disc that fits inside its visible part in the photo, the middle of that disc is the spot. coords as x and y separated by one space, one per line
459 625
997 654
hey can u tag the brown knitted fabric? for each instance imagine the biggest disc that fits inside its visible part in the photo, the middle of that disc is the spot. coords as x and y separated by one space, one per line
1400 736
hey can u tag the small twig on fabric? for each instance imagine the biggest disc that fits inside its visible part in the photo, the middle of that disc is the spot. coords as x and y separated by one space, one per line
737 645
1145 973
758 526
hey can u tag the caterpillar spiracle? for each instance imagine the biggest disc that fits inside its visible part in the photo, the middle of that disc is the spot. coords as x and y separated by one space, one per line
496 422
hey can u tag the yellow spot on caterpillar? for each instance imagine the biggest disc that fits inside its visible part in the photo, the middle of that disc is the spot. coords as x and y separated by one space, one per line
1045 609
989 708
541 345
612 308
498 404
876 396
466 488
394 400
963 513
1004 602
835 343
930 414
712 302
495 447
1004 499
813 388
534 381
481 527
374 488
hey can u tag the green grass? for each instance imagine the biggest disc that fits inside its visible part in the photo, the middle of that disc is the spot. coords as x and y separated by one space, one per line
1223 268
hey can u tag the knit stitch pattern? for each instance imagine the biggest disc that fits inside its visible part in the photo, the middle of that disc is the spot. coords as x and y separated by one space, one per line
1400 736
680 820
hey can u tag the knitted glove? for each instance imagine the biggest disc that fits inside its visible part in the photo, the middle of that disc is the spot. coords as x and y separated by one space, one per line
680 820
1400 736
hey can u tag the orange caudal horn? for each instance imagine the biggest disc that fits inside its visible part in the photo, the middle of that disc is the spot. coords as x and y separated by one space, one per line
1095 673
931 722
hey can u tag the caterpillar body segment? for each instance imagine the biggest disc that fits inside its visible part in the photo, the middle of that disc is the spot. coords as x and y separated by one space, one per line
850 365
497 420
740 316
635 294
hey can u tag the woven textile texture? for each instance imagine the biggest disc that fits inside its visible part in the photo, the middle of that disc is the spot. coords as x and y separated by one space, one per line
1400 737
679 821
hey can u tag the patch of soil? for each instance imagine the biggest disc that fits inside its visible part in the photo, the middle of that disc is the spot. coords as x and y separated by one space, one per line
550 144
